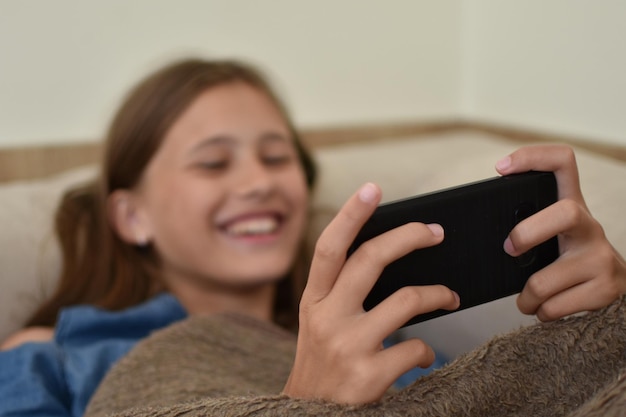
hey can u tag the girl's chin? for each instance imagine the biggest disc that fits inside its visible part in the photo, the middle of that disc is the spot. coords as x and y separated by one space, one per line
253 280
253 270
269 263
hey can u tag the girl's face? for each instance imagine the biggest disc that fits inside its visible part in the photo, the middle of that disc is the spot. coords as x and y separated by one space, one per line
224 200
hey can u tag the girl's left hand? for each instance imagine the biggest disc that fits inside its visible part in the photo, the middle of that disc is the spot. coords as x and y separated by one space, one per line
589 273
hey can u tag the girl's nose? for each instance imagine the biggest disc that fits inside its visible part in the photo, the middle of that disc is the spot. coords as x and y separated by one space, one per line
254 180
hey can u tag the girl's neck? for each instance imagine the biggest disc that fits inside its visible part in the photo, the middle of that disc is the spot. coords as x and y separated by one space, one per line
257 301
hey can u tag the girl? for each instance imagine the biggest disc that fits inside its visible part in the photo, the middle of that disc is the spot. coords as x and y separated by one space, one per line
202 207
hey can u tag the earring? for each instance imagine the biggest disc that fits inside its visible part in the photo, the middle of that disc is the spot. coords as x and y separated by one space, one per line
140 240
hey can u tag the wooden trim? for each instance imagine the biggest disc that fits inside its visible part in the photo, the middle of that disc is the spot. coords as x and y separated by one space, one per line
329 136
529 136
40 161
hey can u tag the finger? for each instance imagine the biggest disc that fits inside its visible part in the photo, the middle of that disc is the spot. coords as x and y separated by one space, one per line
402 357
367 263
406 303
563 217
333 244
555 278
575 300
559 159
548 291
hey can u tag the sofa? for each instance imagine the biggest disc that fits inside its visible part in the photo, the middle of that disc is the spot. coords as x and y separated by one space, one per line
403 167
500 361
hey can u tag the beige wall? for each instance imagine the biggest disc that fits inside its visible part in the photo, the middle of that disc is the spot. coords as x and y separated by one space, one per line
553 65
550 65
65 63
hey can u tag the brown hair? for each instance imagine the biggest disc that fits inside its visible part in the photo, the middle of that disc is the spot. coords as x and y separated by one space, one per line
98 267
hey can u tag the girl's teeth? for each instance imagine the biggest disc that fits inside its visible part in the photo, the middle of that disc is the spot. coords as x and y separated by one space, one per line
253 227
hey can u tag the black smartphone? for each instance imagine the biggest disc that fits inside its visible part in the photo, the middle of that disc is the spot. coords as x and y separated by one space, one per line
476 218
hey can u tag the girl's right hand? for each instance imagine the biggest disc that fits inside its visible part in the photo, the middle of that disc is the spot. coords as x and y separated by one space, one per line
339 356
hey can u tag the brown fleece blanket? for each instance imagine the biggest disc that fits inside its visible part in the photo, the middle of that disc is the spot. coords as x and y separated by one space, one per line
234 366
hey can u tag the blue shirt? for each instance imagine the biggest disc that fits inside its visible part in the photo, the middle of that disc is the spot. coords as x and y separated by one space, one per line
58 378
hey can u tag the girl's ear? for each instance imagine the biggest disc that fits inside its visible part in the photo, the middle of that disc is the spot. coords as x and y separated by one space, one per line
126 218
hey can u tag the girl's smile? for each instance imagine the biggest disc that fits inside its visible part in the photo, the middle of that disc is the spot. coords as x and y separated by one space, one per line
254 225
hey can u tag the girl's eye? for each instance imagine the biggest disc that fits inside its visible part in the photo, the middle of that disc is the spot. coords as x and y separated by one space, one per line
213 165
276 160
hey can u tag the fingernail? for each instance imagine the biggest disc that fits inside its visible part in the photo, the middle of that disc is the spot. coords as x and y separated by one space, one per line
456 296
368 193
504 163
436 229
508 246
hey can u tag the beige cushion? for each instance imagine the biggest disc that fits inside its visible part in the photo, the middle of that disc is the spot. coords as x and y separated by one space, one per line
29 260
29 255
